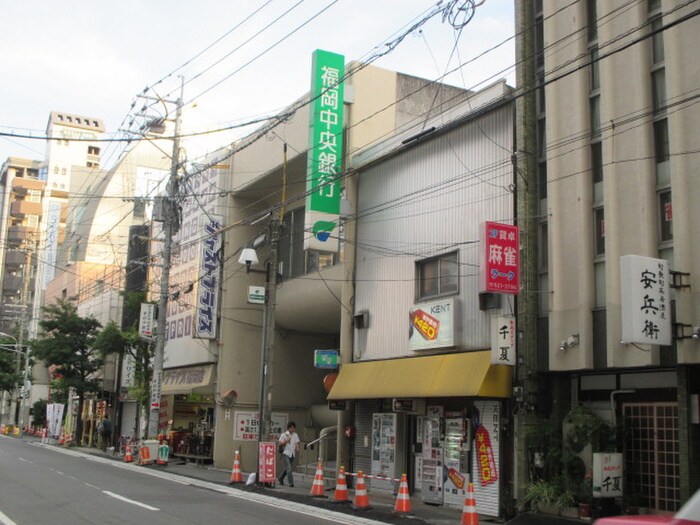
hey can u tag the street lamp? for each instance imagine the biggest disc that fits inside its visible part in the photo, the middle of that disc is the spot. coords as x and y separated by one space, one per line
248 257
21 392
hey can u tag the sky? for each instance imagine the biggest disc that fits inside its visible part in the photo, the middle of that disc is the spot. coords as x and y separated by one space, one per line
240 59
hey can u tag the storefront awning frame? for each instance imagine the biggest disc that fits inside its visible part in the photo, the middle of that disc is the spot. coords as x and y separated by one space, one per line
464 374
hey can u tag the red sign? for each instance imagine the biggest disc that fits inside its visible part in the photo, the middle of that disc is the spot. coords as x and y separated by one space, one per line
502 252
426 324
268 462
488 471
456 477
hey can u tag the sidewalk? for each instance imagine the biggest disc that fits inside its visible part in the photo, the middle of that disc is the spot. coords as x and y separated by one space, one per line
381 502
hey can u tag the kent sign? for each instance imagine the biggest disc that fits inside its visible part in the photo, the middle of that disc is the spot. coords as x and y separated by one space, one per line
324 163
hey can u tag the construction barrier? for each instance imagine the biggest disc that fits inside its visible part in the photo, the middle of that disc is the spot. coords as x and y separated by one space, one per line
145 455
341 488
236 474
163 454
361 501
469 515
318 487
128 458
403 499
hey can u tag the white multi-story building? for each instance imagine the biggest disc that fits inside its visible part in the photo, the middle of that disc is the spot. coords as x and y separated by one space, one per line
611 88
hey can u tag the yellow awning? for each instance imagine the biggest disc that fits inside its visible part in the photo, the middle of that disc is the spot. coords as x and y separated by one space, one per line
187 380
466 374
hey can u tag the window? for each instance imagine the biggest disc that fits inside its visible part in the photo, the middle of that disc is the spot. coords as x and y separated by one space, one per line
32 221
597 171
665 216
592 19
92 150
33 196
594 103
661 146
599 218
55 170
658 88
595 70
437 276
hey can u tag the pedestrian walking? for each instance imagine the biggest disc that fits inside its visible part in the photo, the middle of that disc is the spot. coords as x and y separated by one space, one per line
105 430
289 446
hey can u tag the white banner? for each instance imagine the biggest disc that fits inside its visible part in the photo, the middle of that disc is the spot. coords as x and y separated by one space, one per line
503 340
646 300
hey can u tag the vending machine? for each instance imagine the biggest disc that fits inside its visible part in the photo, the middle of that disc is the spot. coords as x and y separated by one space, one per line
432 464
456 460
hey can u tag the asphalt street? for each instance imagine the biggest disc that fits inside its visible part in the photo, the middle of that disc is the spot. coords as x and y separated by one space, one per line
52 485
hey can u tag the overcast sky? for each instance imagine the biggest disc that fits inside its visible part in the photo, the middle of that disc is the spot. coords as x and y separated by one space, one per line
92 58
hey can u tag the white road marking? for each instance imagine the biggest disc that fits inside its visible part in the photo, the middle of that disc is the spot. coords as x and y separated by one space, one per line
127 500
5 520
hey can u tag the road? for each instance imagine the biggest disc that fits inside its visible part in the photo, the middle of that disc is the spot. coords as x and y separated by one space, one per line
48 485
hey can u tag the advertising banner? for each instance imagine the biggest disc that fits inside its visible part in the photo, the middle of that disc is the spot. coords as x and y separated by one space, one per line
325 157
246 424
486 424
431 325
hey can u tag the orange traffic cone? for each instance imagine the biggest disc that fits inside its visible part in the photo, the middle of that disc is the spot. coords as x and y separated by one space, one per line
318 488
128 458
341 488
145 456
403 500
361 498
61 439
469 515
236 475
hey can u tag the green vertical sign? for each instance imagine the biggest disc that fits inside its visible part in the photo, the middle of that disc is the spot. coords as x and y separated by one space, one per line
325 154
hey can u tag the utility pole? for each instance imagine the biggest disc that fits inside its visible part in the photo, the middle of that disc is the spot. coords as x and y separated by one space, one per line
527 202
171 224
20 335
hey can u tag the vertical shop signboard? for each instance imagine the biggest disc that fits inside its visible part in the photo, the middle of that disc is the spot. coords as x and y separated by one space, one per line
501 262
267 461
486 425
325 155
645 304
503 340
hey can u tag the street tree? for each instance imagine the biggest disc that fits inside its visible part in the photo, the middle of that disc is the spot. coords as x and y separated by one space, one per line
67 347
8 368
132 349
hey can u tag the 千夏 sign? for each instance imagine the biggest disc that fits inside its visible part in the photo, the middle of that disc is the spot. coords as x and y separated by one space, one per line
324 163
502 258
646 303
503 337
431 325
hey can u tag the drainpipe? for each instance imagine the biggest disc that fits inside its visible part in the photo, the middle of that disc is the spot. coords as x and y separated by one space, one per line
612 402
